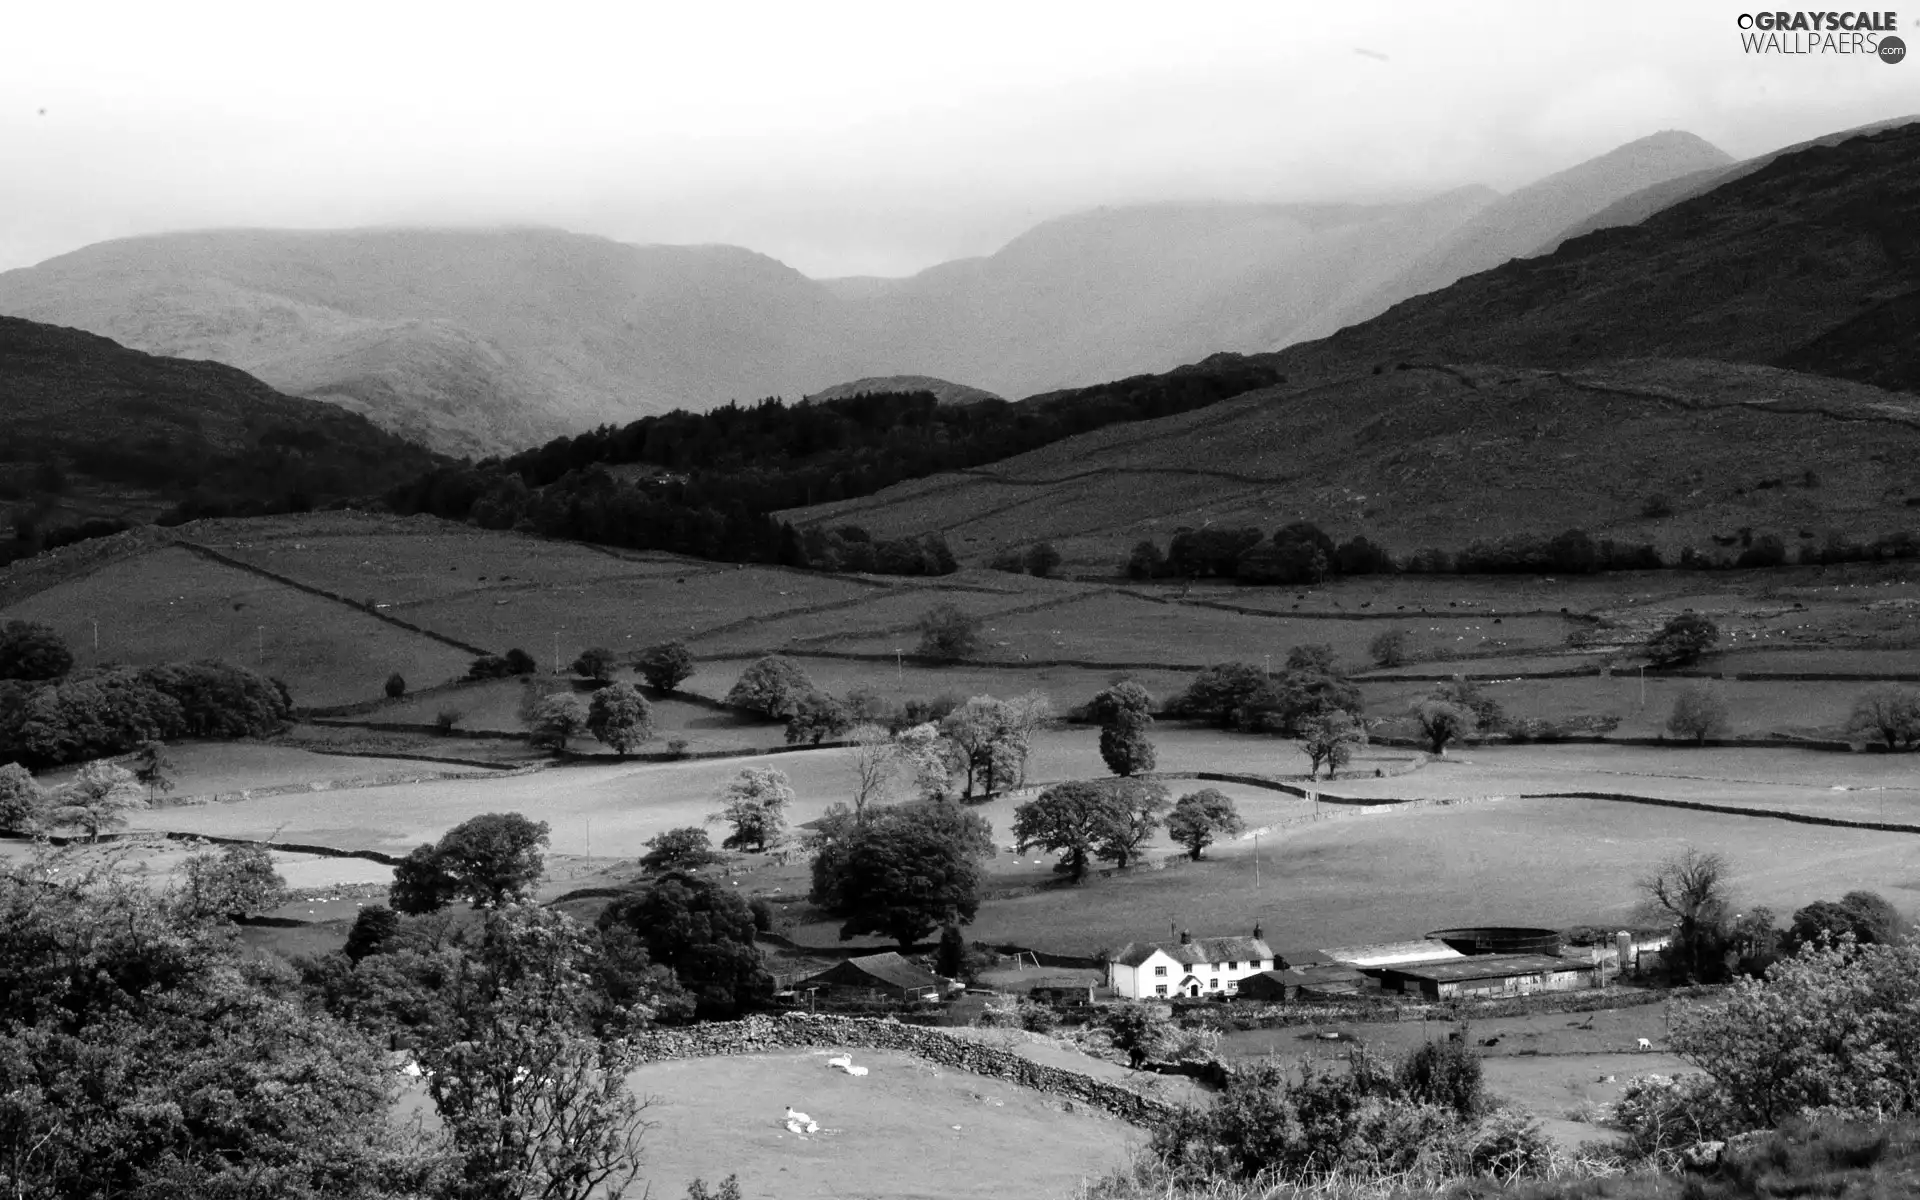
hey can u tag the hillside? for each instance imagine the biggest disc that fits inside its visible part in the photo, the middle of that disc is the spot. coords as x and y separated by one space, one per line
1518 224
1811 260
944 391
479 342
1444 456
97 430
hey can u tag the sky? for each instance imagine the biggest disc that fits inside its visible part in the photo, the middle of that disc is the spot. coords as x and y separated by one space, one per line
848 138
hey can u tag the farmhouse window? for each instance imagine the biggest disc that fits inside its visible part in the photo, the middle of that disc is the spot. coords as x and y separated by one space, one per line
1161 990
1233 966
1213 983
1213 966
1160 972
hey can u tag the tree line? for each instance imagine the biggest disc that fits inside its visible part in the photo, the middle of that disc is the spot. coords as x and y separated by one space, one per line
711 481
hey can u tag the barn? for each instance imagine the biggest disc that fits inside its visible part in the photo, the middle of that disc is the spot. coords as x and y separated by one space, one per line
877 975
1291 983
1489 975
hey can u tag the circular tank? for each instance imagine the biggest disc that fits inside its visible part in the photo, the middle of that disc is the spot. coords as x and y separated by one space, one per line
1500 939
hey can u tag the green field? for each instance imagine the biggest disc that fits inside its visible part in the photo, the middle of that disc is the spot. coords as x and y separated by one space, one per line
170 605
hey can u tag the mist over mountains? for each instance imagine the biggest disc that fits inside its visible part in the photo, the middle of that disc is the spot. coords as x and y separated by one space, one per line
479 342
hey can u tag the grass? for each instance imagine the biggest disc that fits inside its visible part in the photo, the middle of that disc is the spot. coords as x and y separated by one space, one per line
909 1130
171 605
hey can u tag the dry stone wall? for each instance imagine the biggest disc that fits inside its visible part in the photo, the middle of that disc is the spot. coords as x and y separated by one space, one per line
796 1031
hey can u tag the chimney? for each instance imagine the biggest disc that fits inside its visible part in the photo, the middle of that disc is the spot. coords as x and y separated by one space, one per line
1185 938
1257 935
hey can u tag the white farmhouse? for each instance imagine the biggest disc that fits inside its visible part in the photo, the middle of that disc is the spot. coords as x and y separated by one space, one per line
1189 967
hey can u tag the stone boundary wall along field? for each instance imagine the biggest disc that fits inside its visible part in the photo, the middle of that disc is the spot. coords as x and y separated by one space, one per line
796 1031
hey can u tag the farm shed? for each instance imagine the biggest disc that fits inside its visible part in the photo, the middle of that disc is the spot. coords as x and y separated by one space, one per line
1392 954
1289 984
887 974
1490 975
1065 989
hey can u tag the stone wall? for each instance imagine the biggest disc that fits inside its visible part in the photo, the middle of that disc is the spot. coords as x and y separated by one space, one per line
792 1031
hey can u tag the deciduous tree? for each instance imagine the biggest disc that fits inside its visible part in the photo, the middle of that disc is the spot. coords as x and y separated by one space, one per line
96 799
620 718
1690 890
490 860
1699 712
1140 1031
1682 640
1442 721
1068 819
1331 738
1198 818
237 881
557 720
1889 713
773 687
948 633
704 934
907 870
817 717
1124 713
755 804
596 663
991 738
687 848
32 651
1138 805
665 666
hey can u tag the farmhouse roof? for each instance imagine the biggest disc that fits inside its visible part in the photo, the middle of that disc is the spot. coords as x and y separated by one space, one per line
1392 954
1492 966
888 969
1199 950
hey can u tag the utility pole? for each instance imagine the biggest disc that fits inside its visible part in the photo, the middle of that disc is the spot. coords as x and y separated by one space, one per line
1643 685
1268 670
899 666
556 652
260 642
96 636
1256 859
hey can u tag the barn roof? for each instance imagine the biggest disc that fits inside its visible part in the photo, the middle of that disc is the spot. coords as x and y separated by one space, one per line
888 969
1491 966
1392 954
1307 977
1199 950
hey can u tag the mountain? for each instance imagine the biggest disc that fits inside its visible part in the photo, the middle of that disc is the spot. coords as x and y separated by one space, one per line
1809 260
1748 357
480 342
1516 225
95 429
470 341
944 391
1637 207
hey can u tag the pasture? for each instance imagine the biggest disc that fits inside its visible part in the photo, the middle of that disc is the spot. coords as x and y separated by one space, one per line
171 605
910 1130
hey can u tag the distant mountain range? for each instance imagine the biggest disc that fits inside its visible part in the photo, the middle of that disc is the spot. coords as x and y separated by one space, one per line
483 342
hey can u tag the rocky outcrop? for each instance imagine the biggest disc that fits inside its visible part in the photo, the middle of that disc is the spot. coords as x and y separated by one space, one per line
795 1031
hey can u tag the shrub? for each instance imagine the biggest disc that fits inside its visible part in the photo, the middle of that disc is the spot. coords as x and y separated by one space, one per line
1389 649
1699 712
446 719
1042 559
489 666
396 686
1446 1074
948 633
519 662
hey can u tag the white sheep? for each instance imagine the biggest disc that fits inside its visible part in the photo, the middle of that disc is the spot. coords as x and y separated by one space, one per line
843 1061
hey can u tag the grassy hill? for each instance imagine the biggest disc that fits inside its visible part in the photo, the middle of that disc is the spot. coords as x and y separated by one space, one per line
944 391
94 429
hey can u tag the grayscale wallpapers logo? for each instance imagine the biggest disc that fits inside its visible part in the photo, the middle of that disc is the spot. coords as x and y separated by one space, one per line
1892 50
1797 34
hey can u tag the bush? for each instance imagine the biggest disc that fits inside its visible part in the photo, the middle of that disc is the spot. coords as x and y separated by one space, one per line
396 686
1389 649
1446 1074
446 719
1699 712
489 666
948 633
519 662
32 651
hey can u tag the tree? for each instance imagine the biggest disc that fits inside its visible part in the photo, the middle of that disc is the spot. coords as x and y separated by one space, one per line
1442 721
1699 712
396 686
489 666
1866 917
532 1101
1068 819
1889 712
596 663
1221 693
32 651
876 761
95 799
490 860
1146 562
816 718
1124 712
557 720
1331 738
928 758
905 872
1200 817
1690 890
665 666
1682 640
1140 1031
1460 690
1135 814
755 804
773 687
948 633
373 929
238 881
990 738
519 662
704 934
687 848
21 800
1389 649
619 717
152 768
1042 559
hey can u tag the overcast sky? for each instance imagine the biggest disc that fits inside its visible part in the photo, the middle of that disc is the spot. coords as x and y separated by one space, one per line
846 138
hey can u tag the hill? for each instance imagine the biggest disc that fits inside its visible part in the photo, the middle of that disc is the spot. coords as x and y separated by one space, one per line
880 385
479 342
97 430
1444 456
1517 225
1809 260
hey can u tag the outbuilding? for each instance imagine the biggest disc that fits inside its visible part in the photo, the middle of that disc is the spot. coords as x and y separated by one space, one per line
1294 982
885 974
1489 975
